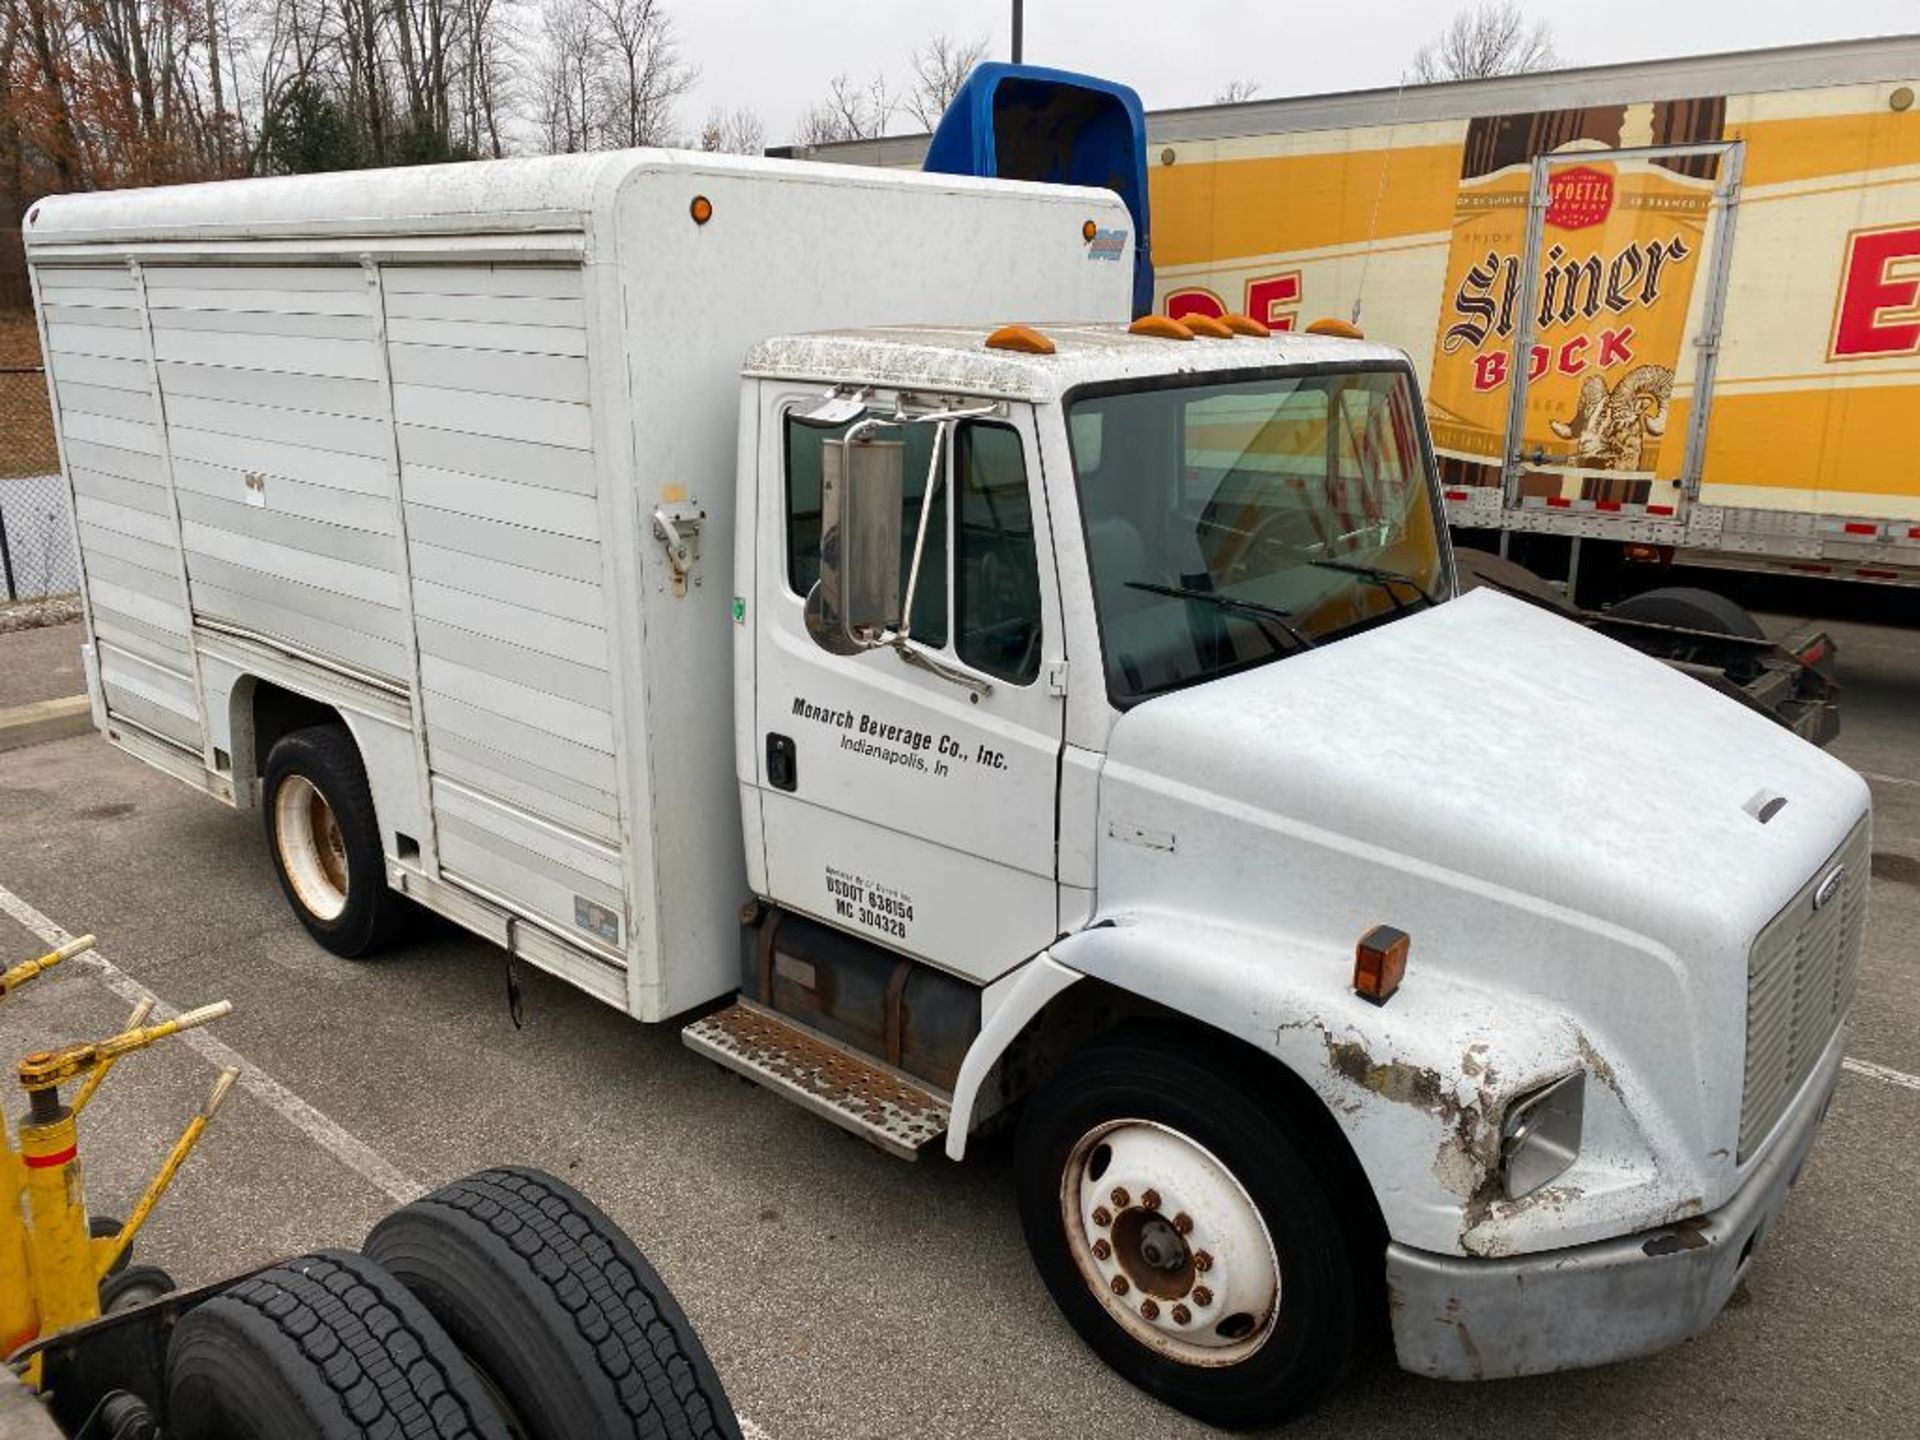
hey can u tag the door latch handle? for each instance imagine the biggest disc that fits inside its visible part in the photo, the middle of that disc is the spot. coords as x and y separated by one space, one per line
783 765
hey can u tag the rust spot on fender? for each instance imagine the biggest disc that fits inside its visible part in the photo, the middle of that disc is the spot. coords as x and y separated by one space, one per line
1391 1080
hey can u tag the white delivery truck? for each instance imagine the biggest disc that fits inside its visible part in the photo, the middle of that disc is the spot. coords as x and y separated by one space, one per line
1060 718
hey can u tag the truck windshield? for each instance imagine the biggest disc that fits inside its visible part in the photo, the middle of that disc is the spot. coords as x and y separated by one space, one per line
1231 524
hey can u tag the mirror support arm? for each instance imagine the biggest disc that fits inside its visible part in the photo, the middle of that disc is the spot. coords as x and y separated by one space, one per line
921 660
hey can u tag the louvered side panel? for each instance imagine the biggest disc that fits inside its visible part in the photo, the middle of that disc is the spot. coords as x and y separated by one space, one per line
282 455
102 383
491 399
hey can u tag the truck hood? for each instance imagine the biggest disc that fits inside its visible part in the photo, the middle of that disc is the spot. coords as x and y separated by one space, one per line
1503 746
1569 832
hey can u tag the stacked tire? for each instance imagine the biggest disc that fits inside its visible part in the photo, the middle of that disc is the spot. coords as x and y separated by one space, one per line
503 1305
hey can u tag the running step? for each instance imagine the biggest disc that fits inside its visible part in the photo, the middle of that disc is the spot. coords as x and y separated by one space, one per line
875 1102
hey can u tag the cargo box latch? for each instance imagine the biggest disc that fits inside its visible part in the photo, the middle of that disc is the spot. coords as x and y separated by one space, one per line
677 528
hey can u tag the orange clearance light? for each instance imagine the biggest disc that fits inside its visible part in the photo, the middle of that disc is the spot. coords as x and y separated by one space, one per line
701 209
1380 963
1208 326
1088 231
1339 328
1246 325
1160 327
1023 338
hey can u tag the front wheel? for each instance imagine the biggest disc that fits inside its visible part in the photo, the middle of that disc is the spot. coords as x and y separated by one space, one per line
1188 1231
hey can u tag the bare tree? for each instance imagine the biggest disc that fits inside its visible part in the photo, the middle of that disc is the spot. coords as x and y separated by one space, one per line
565 80
940 68
733 132
849 112
1490 37
1235 92
643 75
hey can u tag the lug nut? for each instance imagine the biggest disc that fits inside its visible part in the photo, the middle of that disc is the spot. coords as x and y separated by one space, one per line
1202 1295
1120 1286
1202 1261
1149 1310
1181 1315
1102 1216
1102 1250
1183 1222
1120 1197
1151 1199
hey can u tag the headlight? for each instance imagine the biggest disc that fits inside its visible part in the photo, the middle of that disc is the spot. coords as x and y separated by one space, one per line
1541 1135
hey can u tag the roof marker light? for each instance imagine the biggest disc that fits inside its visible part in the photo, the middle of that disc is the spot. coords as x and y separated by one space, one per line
1208 326
1023 338
1160 327
701 209
1339 328
1246 325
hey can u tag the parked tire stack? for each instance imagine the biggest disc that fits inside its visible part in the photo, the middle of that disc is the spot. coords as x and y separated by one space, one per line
503 1306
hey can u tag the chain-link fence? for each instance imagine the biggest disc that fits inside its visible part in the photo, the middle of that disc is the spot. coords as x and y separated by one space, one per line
36 527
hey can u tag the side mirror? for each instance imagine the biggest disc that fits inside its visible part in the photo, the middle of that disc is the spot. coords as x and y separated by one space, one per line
856 601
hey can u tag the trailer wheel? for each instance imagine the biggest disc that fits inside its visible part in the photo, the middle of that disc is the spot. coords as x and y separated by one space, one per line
557 1307
326 1347
1188 1232
325 842
1691 609
132 1285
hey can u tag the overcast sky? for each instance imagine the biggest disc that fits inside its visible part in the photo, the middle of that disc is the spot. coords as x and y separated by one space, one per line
776 56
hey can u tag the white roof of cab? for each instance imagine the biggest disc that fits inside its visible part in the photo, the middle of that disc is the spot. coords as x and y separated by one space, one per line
956 360
546 193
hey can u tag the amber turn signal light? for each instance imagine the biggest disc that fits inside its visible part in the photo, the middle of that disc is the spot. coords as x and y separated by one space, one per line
1380 963
1088 231
1339 328
1022 338
1160 327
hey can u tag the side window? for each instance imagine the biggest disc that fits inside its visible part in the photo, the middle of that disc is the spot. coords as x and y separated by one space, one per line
996 575
929 622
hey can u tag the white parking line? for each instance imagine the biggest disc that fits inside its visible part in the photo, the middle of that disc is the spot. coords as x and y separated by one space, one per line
344 1146
1887 779
1881 1072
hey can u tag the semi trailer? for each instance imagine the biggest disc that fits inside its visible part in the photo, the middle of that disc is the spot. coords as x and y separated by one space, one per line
794 603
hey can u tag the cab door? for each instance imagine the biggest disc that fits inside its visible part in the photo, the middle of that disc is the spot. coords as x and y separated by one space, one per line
915 804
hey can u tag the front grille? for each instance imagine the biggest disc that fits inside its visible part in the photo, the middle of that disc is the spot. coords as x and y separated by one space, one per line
1800 980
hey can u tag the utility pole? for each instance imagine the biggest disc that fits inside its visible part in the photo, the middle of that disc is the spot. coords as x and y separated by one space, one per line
1018 7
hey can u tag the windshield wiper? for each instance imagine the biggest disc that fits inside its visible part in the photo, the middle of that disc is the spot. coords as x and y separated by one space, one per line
1253 609
1386 579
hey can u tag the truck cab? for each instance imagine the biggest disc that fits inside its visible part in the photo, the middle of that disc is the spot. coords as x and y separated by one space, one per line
1116 755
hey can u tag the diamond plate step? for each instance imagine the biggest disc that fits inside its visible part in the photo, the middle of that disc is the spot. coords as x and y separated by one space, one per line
876 1103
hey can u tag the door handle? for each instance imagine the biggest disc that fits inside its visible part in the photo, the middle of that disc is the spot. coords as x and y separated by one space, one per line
783 765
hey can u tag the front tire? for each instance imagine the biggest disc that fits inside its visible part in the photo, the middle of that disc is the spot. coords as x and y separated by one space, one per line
325 841
1188 1231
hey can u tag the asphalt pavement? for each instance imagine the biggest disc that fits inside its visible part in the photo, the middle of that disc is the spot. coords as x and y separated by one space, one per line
842 1293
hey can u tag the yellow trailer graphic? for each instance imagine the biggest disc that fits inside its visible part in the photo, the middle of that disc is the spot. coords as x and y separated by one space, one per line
1674 304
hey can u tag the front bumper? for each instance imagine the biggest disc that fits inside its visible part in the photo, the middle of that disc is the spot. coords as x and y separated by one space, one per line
1463 1319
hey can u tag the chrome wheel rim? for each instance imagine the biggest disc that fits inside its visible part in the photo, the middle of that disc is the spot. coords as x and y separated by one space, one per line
1170 1243
312 851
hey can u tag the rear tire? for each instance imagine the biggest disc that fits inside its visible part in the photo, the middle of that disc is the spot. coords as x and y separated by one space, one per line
1691 609
326 1347
556 1305
1223 1279
325 841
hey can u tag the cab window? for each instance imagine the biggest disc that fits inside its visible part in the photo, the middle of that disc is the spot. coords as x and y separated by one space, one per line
804 462
996 570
